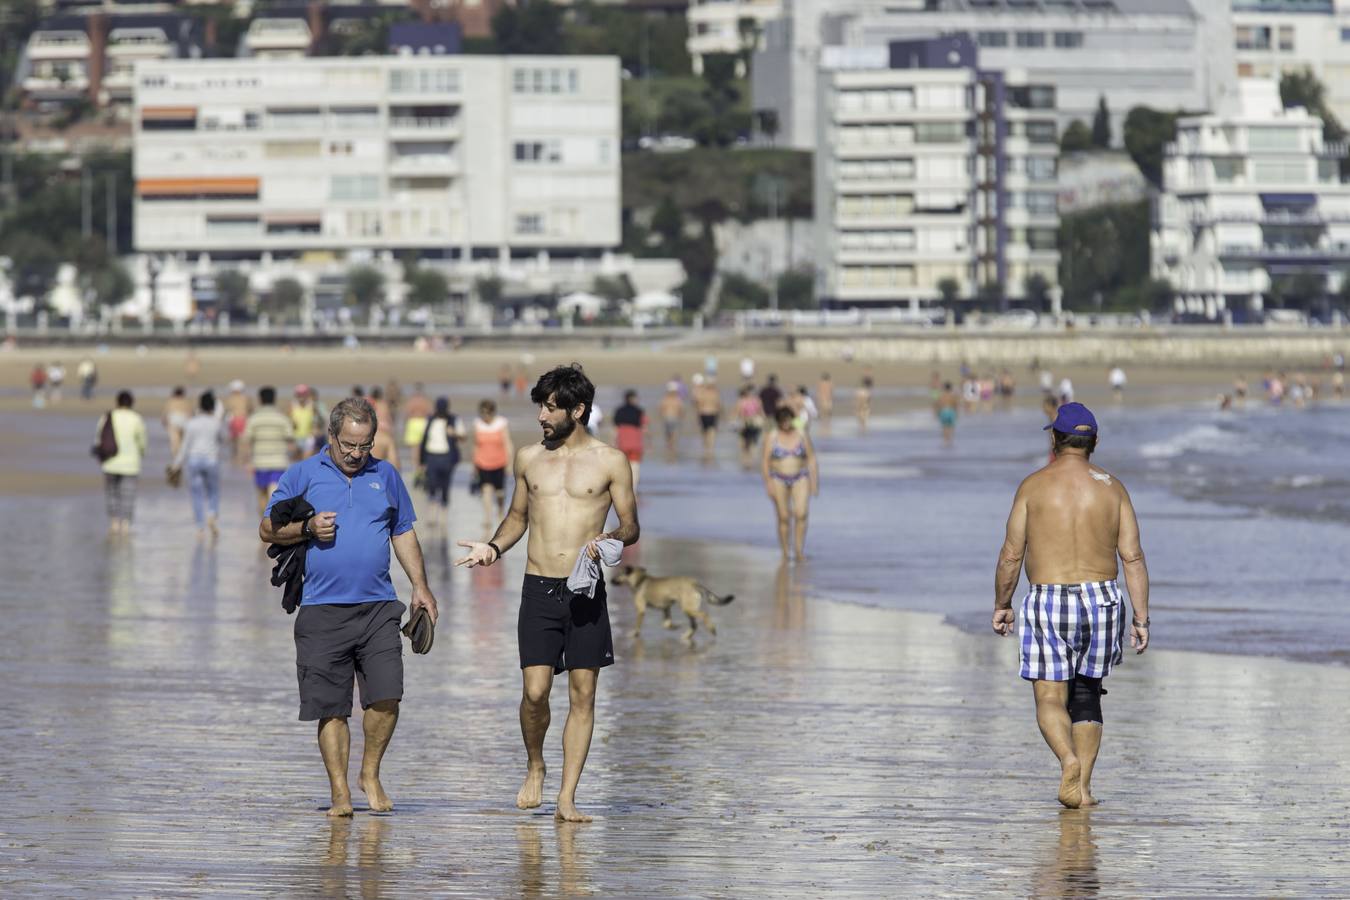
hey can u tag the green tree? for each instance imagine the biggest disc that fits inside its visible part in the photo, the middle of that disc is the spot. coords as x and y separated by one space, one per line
1147 134
990 295
1037 290
727 118
1076 138
285 300
365 286
232 288
489 290
797 289
34 260
949 289
368 37
1103 251
613 289
1301 88
739 292
1101 125
668 222
428 287
111 284
535 28
767 121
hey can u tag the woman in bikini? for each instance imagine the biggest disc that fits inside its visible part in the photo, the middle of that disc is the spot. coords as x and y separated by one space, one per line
791 479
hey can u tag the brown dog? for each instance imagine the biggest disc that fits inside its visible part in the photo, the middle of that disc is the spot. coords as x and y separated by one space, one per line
664 593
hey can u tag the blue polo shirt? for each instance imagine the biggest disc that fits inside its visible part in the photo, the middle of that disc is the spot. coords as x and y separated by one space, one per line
372 506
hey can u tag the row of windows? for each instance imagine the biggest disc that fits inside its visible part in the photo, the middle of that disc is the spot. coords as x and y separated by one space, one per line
1064 40
917 133
876 276
897 239
1258 37
1036 168
1035 238
545 81
424 81
1043 203
538 151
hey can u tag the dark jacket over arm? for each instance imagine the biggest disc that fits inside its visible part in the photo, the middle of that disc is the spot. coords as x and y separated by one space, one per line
289 572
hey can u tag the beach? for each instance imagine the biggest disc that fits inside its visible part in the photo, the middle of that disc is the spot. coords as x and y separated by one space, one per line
854 729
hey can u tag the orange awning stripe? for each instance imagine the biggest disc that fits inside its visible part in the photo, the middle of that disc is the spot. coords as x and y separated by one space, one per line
168 112
161 187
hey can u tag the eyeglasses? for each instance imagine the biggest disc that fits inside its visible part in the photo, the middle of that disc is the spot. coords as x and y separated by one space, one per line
355 449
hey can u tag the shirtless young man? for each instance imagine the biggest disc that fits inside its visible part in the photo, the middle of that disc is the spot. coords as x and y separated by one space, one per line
565 487
1070 521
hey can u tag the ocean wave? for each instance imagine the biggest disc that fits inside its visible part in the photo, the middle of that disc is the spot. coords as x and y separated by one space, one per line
1199 438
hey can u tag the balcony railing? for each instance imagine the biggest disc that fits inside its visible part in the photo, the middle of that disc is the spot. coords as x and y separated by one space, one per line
1284 251
422 123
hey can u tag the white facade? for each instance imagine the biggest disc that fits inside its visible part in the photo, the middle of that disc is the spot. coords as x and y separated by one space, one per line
1272 37
1153 53
58 64
715 25
1249 199
909 189
466 156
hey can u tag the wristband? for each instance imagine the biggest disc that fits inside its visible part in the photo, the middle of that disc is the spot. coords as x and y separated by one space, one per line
304 529
495 547
1138 624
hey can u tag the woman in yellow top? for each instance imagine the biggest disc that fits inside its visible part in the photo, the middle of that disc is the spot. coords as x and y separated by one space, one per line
122 469
302 417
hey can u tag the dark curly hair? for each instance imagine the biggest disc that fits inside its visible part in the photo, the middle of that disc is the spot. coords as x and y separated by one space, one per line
569 387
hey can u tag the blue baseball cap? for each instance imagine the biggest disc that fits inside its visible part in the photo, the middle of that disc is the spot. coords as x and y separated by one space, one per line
1074 418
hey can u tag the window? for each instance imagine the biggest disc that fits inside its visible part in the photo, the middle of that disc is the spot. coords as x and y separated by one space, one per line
1286 38
1040 168
1280 171
1042 238
1345 35
1267 138
939 132
291 150
355 187
1042 132
560 80
1253 37
529 223
1031 38
424 81
355 117
1227 170
538 152
1043 203
997 38
1036 96
1069 40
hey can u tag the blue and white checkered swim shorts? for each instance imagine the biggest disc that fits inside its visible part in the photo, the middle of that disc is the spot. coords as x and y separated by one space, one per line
1069 629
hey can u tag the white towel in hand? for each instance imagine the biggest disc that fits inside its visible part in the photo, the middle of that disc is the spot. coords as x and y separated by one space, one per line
586 573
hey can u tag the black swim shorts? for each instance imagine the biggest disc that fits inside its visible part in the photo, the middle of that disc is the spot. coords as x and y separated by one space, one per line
561 629
336 641
494 477
708 423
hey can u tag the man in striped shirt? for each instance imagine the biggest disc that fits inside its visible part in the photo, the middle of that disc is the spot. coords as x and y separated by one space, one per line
268 434
1070 521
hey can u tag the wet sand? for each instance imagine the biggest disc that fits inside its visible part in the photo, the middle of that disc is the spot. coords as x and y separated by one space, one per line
811 749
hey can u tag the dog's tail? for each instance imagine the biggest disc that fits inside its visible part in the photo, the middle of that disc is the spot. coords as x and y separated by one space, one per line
716 600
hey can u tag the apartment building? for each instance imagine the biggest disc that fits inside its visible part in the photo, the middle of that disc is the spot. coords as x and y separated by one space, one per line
727 26
931 169
1251 201
1154 53
1272 37
454 157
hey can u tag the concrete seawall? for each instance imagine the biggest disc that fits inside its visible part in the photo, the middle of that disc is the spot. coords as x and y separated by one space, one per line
1170 346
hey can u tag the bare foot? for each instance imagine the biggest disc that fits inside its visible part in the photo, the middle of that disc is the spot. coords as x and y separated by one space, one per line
1070 784
374 791
342 806
567 812
1088 800
214 528
532 791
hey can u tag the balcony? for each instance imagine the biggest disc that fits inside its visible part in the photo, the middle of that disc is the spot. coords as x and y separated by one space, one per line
428 127
58 45
1285 252
273 37
1335 149
424 164
138 43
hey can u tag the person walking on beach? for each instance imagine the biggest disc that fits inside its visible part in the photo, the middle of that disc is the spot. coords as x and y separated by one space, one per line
492 452
238 406
56 380
347 626
304 419
791 478
825 400
1118 380
750 416
862 403
565 487
945 410
37 381
437 456
672 411
708 405
121 471
269 440
199 455
174 417
630 432
1069 522
417 411
87 372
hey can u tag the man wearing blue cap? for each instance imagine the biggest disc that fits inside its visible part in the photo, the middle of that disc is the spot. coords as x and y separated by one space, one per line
1070 521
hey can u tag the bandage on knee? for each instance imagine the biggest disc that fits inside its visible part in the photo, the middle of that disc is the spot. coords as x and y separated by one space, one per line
1085 700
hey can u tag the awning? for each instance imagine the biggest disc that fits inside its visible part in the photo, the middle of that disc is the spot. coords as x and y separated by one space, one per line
168 113
196 187
1288 199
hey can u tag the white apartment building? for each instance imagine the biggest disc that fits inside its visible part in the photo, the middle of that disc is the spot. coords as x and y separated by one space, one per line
454 156
1249 199
1272 37
715 26
930 169
57 64
1155 53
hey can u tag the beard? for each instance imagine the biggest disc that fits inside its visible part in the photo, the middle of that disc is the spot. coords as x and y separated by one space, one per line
561 432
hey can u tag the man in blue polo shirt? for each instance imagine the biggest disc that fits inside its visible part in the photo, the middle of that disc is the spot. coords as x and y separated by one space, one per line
348 623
